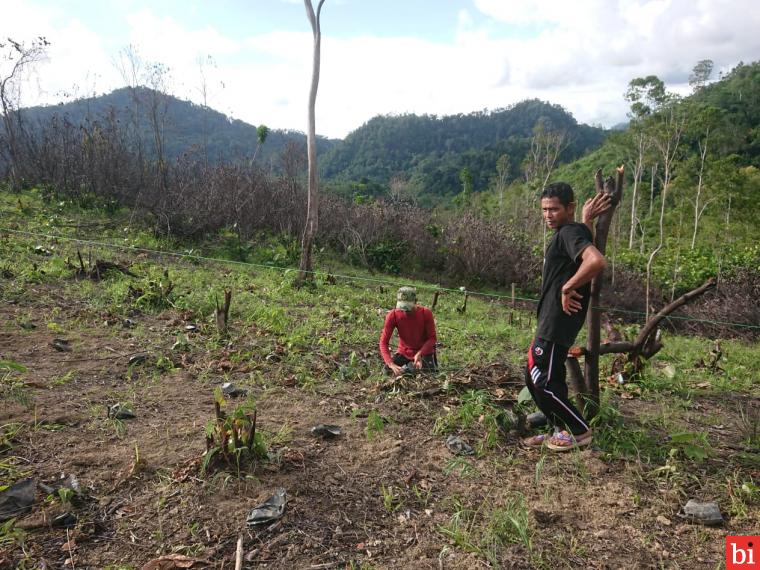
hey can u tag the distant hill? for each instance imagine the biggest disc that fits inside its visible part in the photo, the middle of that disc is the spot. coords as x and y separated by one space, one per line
186 125
427 151
431 151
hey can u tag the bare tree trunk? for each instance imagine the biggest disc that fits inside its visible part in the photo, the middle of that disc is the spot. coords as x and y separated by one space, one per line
697 211
637 173
312 200
613 187
667 144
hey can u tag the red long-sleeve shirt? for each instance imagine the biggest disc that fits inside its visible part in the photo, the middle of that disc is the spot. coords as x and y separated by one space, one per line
416 333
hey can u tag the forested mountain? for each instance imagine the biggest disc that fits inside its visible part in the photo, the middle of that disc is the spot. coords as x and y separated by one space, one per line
184 126
430 152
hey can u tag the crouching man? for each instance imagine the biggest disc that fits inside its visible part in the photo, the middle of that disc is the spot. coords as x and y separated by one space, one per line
416 335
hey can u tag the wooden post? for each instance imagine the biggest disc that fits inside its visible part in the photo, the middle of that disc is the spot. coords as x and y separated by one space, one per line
613 187
435 301
223 313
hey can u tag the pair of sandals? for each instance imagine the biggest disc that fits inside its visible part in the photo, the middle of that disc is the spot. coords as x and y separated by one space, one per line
560 441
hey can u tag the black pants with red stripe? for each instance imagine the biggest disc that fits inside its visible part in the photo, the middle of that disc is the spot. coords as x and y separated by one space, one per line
545 377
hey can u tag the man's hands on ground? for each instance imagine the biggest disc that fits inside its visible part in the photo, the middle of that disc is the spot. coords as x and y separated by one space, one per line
571 302
395 368
594 207
418 361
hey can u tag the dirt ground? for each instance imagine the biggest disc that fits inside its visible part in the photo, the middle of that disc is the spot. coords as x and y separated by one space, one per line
353 502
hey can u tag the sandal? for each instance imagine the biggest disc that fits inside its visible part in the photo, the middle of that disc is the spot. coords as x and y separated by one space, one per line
564 441
536 441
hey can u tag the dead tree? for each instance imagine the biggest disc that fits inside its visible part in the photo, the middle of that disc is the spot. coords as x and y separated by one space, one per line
223 313
647 343
589 391
312 200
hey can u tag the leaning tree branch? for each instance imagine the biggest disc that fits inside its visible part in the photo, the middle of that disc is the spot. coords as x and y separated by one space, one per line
646 344
653 323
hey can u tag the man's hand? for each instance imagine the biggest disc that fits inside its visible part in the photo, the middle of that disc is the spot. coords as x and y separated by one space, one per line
571 302
596 206
395 368
418 361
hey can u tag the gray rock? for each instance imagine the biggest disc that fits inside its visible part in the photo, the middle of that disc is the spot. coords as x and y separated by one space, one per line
137 359
229 389
120 412
458 446
61 345
17 499
326 431
703 513
270 510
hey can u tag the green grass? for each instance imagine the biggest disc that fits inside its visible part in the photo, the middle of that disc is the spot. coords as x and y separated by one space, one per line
324 338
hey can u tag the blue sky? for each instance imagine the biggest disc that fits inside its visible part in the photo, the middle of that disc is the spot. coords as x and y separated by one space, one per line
390 56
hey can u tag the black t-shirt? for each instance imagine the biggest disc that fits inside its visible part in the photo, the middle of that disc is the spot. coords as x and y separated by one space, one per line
563 258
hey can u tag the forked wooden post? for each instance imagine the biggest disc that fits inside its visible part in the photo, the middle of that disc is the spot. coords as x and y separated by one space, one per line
613 187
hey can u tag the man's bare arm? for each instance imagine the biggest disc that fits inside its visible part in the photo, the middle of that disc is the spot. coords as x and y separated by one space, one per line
592 263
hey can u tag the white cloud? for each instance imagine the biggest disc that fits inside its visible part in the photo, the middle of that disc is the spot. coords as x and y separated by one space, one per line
580 54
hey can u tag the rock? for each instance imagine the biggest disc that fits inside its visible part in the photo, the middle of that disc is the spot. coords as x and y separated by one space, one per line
17 499
270 510
545 518
458 446
61 345
120 412
229 389
137 359
537 419
703 513
664 521
326 431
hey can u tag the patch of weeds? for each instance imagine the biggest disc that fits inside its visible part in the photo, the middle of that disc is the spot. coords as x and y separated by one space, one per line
282 437
691 445
487 533
375 425
66 496
475 408
62 380
744 495
392 499
618 439
153 293
507 524
460 466
11 470
749 425
8 434
10 536
118 426
459 528
12 387
356 369
422 495
164 364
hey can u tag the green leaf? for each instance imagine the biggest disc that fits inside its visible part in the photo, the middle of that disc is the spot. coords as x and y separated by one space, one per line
683 437
12 365
524 396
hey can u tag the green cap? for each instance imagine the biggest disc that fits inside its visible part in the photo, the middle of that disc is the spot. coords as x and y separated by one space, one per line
406 298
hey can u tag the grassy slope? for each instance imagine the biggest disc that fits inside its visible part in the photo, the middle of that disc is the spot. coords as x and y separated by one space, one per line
325 341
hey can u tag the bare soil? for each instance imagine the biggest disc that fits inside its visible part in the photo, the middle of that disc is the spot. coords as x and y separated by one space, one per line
143 496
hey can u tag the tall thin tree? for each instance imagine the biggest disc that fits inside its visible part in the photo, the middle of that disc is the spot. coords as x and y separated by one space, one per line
312 200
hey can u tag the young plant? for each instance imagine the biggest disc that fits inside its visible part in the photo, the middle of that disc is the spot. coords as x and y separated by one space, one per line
232 439
375 425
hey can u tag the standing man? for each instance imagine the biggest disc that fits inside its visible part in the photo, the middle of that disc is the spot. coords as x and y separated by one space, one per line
416 334
571 262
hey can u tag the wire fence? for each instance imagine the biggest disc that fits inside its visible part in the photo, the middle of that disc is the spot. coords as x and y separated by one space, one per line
511 298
